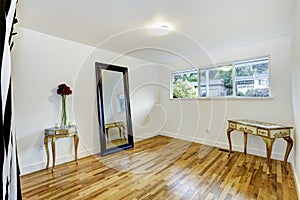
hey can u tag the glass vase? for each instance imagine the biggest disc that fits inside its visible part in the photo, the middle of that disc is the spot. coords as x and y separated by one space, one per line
63 111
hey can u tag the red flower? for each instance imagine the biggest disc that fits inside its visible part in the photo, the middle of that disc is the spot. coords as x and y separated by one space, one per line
63 89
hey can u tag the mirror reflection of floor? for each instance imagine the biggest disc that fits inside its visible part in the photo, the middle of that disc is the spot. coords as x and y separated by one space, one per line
116 142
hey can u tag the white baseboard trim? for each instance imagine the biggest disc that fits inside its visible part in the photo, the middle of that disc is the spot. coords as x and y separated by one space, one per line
296 179
143 137
67 158
258 152
59 160
70 157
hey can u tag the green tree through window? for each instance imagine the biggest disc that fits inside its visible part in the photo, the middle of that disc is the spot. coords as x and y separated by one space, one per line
185 84
248 78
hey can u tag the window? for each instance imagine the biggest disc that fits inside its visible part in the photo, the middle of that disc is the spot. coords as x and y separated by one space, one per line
185 84
247 78
216 81
121 103
252 78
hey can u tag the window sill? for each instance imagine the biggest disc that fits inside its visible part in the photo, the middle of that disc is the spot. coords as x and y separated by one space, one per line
225 98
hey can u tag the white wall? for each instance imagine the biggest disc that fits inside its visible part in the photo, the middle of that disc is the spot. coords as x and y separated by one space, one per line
40 63
205 120
296 90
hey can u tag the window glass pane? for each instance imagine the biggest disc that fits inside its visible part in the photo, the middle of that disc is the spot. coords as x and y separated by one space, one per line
185 84
203 89
216 81
252 78
248 78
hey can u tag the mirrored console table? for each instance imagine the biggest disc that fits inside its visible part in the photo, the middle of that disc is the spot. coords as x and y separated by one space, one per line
60 132
267 131
119 125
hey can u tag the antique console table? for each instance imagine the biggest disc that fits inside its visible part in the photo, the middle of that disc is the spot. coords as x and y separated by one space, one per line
119 125
267 131
60 132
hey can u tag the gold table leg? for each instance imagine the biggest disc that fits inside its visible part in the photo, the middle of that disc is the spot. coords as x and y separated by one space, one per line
53 152
287 151
47 150
106 132
76 141
120 131
245 142
123 131
229 130
269 144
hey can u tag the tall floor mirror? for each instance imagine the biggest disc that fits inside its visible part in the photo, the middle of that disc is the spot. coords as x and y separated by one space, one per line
115 126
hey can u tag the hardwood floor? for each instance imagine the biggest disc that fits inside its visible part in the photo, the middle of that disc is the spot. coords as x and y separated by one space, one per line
163 168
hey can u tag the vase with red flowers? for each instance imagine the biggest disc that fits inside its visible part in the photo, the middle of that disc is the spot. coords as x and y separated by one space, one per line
63 90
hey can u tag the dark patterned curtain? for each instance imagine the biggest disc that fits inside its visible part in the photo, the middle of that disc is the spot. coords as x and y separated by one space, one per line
9 169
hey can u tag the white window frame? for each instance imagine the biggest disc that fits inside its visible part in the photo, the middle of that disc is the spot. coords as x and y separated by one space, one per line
181 72
234 64
211 68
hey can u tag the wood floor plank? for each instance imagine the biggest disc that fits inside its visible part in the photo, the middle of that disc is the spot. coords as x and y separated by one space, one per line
163 168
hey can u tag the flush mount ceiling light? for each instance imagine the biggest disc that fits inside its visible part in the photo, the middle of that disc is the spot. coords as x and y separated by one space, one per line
226 68
160 29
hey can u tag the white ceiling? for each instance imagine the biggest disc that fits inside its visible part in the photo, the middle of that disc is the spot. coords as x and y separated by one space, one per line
120 25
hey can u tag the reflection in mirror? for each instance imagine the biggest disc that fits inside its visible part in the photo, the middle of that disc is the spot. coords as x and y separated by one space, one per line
113 108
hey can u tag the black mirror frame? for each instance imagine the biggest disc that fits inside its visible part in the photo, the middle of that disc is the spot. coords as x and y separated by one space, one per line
104 150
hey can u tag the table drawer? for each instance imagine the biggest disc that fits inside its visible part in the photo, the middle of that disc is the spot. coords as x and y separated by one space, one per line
246 129
263 132
232 125
280 133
